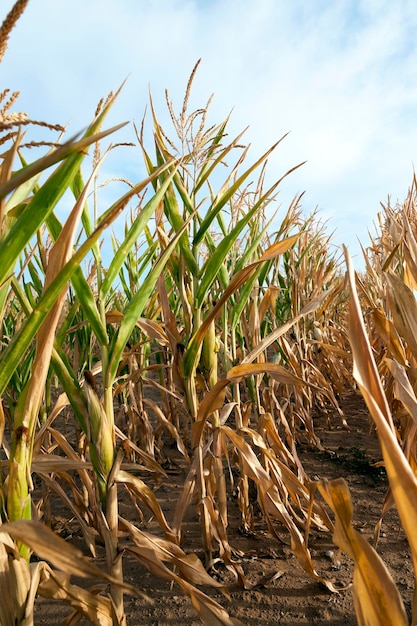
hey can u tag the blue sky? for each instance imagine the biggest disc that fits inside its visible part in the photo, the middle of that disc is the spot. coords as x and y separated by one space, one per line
339 76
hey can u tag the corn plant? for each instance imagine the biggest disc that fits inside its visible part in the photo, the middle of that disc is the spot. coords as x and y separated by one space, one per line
202 269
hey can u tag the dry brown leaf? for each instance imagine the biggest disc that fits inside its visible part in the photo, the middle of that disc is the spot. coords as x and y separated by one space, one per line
149 462
377 600
88 531
14 583
388 331
153 330
279 248
96 608
266 580
153 551
60 254
402 479
403 307
2 421
212 401
278 372
404 391
184 499
54 463
114 316
169 426
65 557
272 505
312 306
147 496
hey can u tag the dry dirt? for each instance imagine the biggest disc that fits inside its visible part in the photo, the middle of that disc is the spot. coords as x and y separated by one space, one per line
292 597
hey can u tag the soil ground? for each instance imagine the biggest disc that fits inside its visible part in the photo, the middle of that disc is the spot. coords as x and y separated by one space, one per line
291 597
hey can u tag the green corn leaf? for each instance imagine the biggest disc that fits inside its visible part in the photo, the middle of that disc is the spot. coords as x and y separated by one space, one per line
77 187
221 201
37 282
194 346
260 275
174 214
135 268
70 384
239 279
135 308
135 230
82 289
212 267
210 166
252 249
88 304
10 357
244 295
171 208
223 274
42 204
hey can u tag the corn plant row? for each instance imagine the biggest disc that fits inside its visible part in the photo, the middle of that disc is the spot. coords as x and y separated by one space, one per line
100 345
217 325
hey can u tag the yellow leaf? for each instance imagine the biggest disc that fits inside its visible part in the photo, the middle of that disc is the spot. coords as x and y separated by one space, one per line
377 600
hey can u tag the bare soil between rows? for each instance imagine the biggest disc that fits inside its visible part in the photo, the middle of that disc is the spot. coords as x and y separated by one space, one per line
282 592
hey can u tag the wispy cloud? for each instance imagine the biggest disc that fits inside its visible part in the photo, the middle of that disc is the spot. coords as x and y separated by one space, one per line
340 76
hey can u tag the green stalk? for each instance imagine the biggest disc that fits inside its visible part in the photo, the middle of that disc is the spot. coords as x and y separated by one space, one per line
44 324
101 436
209 358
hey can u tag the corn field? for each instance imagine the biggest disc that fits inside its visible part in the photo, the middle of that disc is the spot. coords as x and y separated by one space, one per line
210 338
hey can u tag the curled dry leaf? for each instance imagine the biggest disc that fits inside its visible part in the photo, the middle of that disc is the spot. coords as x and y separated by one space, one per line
145 495
96 608
403 481
403 307
377 600
278 372
169 426
404 391
273 506
65 557
14 583
153 552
